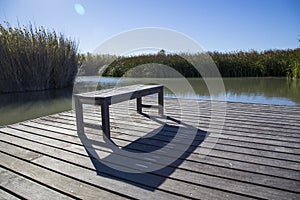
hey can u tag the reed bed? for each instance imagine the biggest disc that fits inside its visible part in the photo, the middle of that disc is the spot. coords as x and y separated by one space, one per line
93 65
275 63
33 58
271 63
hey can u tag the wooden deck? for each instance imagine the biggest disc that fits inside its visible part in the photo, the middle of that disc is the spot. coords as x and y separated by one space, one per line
256 156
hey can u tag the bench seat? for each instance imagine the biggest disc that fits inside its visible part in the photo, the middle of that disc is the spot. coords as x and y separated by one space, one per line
105 98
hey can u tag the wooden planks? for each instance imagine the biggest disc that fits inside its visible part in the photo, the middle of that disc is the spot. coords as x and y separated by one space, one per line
257 155
12 181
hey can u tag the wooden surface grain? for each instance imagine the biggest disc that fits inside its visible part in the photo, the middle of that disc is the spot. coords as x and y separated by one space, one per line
255 155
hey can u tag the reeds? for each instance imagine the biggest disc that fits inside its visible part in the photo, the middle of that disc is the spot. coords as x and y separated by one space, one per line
33 58
93 65
278 63
271 63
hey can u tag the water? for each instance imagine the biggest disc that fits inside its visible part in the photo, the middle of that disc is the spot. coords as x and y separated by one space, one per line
18 107
280 91
23 106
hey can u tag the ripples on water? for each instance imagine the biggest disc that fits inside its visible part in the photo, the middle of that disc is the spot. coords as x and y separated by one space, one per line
279 91
23 106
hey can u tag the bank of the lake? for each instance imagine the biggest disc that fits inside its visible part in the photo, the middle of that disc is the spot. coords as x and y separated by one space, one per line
16 107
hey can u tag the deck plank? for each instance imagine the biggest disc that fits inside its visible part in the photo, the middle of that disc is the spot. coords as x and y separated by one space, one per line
226 134
83 161
246 127
75 148
14 182
69 123
220 146
8 195
256 156
194 157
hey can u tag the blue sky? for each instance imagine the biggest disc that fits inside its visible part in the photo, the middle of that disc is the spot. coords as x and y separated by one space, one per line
221 25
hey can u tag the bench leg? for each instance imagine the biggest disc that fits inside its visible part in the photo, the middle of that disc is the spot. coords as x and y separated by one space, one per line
79 116
105 120
139 104
161 102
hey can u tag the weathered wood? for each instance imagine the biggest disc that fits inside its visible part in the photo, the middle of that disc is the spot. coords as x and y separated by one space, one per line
228 133
67 123
256 156
105 120
188 176
260 123
8 195
224 146
105 98
181 174
231 171
161 102
195 158
252 130
229 149
139 105
259 159
79 116
68 185
19 185
116 95
105 180
248 118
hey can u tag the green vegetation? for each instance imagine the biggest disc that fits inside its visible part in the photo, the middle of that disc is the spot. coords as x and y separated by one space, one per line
122 65
276 63
93 65
33 58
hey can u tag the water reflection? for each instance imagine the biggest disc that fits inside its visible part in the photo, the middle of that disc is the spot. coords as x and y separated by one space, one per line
263 90
23 106
17 107
252 90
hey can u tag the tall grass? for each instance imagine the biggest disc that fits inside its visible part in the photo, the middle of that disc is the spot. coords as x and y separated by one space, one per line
92 65
33 58
279 63
274 63
123 64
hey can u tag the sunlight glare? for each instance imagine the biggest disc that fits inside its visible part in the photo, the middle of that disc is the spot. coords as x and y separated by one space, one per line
79 9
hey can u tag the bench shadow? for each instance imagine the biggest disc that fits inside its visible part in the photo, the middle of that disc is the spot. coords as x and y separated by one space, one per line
153 141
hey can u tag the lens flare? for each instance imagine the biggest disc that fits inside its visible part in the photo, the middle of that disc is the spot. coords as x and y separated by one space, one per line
79 9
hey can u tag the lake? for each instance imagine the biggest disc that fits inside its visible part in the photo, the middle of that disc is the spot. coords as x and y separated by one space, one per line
23 106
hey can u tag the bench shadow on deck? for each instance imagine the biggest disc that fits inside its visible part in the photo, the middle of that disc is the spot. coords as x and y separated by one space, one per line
145 145
256 156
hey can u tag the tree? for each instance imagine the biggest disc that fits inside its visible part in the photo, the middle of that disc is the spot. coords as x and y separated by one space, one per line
162 52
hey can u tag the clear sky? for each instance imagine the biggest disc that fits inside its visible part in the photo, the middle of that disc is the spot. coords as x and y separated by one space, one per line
221 25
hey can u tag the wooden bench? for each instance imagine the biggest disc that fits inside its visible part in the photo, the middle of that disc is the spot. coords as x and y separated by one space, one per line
107 97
